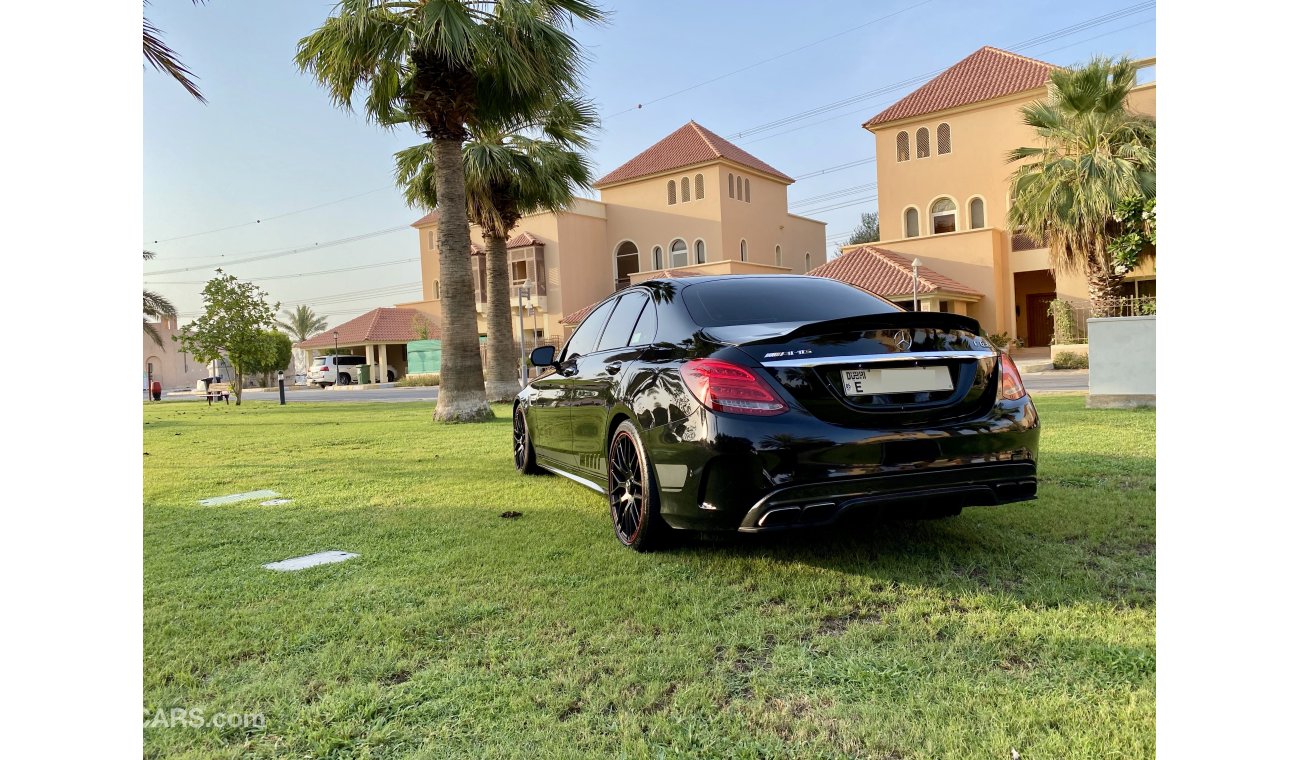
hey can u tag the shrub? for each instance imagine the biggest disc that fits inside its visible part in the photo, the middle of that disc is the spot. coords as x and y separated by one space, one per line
1001 340
421 380
1070 360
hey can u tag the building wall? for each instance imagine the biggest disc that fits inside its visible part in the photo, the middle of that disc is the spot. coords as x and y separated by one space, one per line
976 259
171 366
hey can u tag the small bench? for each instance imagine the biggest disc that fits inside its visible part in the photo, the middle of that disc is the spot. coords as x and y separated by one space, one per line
217 392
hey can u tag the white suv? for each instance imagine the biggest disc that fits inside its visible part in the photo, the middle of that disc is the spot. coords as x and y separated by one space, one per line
342 369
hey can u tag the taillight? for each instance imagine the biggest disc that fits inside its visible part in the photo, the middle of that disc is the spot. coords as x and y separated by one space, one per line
1012 388
726 387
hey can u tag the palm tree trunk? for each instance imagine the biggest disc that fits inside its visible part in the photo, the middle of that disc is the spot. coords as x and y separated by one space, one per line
1103 284
461 396
503 366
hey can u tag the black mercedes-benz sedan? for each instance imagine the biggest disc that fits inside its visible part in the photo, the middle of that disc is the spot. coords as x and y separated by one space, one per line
767 402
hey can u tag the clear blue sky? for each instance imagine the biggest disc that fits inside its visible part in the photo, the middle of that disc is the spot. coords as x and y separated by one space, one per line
269 143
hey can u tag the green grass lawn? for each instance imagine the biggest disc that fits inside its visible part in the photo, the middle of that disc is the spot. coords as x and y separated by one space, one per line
460 633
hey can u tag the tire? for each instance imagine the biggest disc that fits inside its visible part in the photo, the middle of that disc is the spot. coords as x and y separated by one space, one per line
525 456
392 376
633 492
345 378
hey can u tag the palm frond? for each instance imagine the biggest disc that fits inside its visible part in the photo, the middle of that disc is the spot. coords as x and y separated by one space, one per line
166 60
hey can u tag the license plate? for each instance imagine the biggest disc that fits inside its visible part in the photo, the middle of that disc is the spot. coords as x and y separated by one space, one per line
866 382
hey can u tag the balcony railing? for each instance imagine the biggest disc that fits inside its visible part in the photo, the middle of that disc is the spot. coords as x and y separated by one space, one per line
1023 242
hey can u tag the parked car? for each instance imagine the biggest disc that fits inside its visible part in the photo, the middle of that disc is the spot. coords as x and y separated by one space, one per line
766 402
342 369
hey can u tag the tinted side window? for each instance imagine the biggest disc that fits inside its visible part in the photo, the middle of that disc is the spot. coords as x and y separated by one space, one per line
644 331
622 321
584 338
777 299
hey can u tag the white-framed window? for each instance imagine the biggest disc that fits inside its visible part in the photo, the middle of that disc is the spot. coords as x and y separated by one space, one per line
778 255
699 187
977 213
904 147
744 251
911 222
700 256
731 185
922 143
627 262
943 216
686 190
672 192
677 253
944 139
658 257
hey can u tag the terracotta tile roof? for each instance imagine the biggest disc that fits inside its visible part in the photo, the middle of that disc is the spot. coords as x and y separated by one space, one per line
690 145
523 240
580 314
987 73
382 325
887 273
428 218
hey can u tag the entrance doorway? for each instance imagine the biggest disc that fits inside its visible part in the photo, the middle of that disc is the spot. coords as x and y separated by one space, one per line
1038 319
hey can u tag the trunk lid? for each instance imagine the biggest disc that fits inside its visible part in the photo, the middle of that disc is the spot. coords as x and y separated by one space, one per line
893 369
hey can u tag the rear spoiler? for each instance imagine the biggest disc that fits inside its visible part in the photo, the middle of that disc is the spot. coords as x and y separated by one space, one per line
893 320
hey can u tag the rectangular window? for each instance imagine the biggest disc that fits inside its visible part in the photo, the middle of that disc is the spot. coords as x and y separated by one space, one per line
945 223
518 272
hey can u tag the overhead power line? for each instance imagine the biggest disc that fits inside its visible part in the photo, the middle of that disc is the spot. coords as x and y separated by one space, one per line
293 275
836 168
288 252
269 218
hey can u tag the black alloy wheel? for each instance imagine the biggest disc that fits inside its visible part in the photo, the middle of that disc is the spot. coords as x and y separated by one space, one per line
633 497
525 457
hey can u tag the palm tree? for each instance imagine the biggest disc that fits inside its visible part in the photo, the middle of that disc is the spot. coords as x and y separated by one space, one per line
301 323
1092 155
443 66
508 174
166 60
157 307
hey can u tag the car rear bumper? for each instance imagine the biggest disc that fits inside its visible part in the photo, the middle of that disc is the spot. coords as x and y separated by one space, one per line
755 474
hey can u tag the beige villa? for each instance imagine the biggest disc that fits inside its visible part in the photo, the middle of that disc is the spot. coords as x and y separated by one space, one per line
943 192
692 200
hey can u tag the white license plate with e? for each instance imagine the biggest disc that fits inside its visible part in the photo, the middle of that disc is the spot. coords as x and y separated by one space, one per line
867 382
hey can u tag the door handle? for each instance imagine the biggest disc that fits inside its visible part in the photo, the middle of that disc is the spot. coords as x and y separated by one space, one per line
613 367
568 371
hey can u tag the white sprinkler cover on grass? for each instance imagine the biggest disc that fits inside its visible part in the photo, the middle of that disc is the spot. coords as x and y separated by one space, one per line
275 502
311 560
234 497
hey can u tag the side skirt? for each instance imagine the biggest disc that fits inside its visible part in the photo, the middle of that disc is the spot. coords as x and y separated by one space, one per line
575 478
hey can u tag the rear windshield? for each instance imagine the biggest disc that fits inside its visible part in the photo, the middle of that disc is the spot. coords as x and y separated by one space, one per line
320 360
756 301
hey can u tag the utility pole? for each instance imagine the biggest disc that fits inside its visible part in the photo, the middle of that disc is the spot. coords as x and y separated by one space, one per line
916 284
523 357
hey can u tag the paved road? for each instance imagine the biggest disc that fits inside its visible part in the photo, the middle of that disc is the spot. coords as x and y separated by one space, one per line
1057 380
292 395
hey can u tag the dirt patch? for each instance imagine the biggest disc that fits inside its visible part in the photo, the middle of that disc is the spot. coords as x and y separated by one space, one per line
570 710
511 515
871 614
393 679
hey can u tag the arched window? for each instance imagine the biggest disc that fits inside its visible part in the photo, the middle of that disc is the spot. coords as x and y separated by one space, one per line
744 251
627 262
977 213
677 253
686 189
778 255
746 189
731 185
944 139
943 216
922 143
658 257
437 290
699 252
807 263
911 222
904 147
699 187
672 192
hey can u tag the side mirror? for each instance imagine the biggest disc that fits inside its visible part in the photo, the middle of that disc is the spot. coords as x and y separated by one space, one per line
543 356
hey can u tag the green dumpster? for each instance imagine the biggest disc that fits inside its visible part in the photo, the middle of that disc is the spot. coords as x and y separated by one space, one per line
364 371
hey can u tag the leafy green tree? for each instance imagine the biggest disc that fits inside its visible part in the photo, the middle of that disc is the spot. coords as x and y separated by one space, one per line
511 171
301 323
166 60
155 307
1137 233
1092 156
444 66
235 319
868 230
274 357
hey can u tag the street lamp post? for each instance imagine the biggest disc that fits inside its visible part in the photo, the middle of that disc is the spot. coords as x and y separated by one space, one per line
916 284
523 357
336 357
279 374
